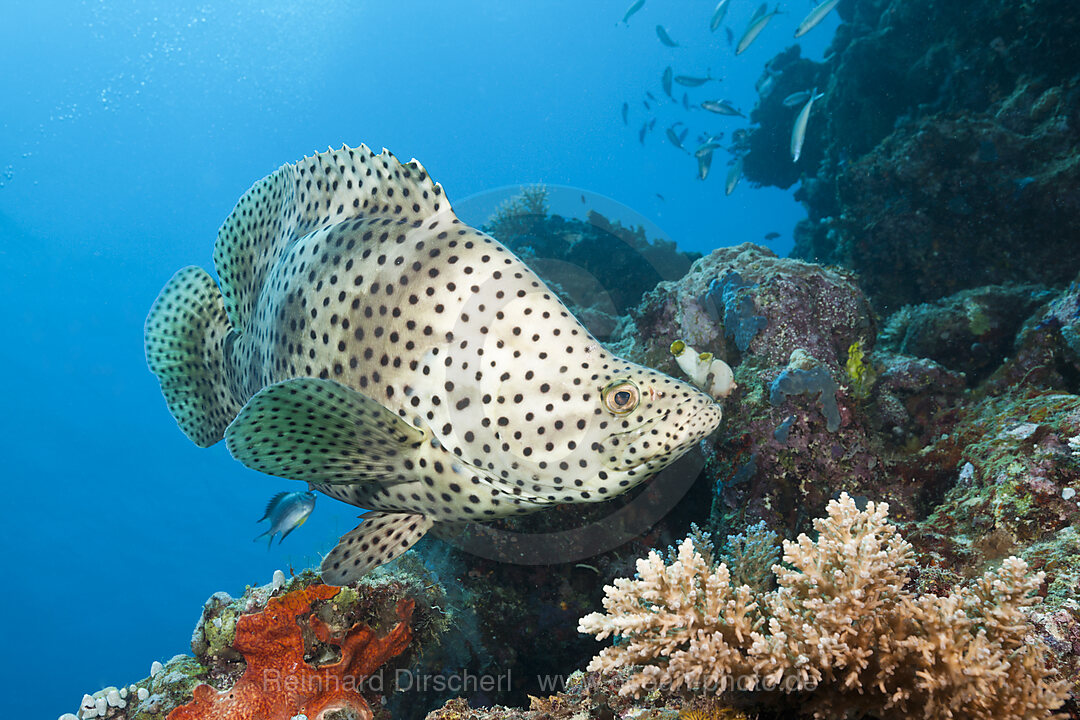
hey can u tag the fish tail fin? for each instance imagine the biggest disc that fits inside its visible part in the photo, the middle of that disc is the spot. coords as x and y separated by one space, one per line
186 334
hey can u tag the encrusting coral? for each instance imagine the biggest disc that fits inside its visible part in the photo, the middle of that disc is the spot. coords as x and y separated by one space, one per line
280 682
841 635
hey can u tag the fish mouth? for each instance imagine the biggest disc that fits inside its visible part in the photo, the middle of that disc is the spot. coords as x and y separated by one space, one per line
688 429
692 427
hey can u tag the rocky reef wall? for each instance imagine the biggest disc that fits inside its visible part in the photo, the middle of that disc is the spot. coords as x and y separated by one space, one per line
945 153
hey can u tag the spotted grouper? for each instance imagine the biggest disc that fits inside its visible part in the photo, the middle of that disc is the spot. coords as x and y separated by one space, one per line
365 340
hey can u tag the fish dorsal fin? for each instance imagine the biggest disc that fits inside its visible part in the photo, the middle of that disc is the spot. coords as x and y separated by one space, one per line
273 504
300 198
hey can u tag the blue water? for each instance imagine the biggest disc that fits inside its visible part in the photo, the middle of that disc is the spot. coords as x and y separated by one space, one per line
127 132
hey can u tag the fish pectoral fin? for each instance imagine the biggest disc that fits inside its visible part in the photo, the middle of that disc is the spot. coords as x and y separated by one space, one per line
378 539
321 432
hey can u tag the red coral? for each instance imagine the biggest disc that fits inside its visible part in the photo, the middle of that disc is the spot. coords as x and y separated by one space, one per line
278 684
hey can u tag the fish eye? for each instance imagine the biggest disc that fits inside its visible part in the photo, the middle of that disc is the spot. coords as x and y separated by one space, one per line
621 397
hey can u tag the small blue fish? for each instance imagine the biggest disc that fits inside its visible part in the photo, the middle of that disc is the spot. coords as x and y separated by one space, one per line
634 7
662 33
287 511
691 81
722 107
718 15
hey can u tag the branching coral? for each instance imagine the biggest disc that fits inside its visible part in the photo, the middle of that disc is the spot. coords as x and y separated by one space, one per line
279 681
521 215
841 634
750 556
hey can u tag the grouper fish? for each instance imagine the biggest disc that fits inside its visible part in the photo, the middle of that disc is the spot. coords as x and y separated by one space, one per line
366 341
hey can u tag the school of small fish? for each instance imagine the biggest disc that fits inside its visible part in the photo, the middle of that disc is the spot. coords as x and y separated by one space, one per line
708 141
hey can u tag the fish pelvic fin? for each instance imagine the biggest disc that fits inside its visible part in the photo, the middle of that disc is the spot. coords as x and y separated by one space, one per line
301 198
289 530
378 539
322 432
186 337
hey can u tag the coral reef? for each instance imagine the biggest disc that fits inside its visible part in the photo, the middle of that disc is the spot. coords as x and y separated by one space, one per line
944 155
970 332
959 415
279 682
840 636
772 306
289 648
597 267
940 174
798 428
592 695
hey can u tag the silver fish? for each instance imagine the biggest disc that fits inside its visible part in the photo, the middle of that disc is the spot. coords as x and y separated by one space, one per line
753 30
641 133
287 511
674 138
722 107
690 81
764 84
665 81
366 341
664 37
718 15
816 15
706 148
704 162
798 132
796 98
634 7
625 113
733 176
